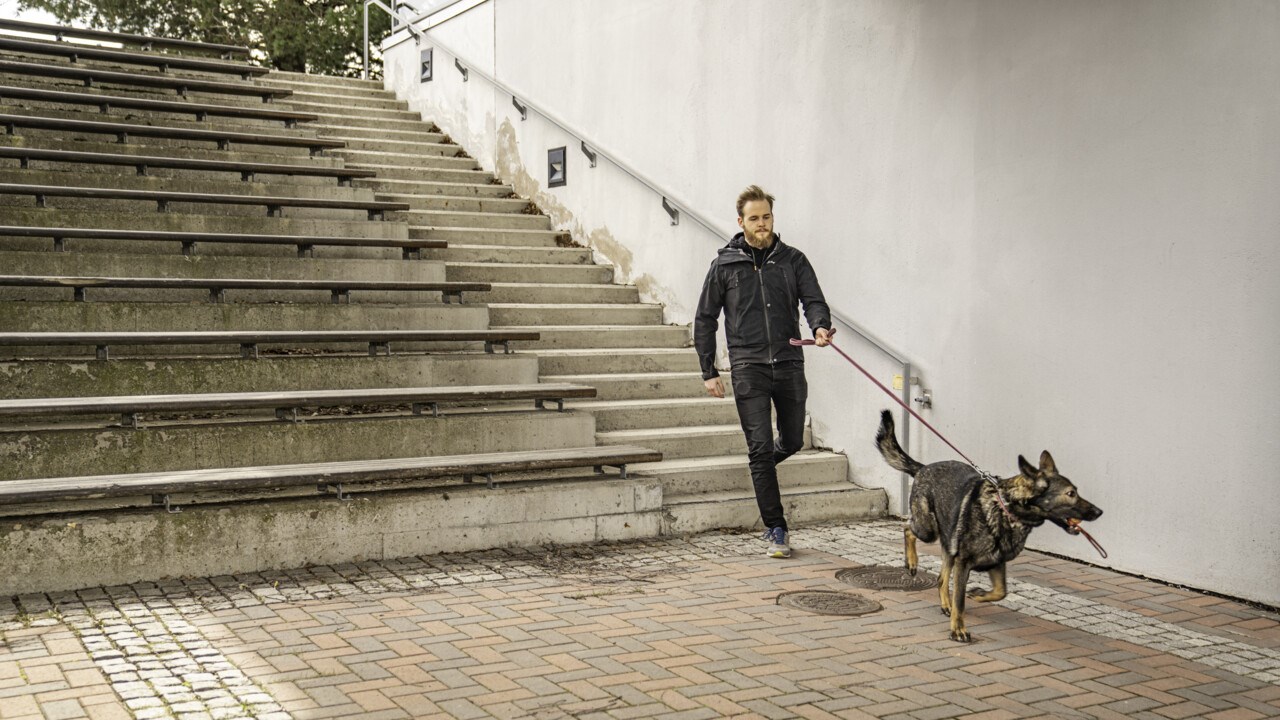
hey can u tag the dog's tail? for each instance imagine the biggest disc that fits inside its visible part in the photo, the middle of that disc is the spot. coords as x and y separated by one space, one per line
889 448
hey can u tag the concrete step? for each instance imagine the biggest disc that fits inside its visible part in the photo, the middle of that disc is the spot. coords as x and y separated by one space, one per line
209 182
407 187
329 119
514 272
168 316
132 90
526 314
657 412
638 386
324 97
731 473
405 154
125 374
493 220
141 209
125 178
355 93
334 80
686 442
561 293
105 263
89 218
604 336
281 534
464 174
617 360
236 441
406 159
350 111
462 236
684 514
386 164
464 204
122 63
497 254
423 132
424 144
169 147
114 87
133 115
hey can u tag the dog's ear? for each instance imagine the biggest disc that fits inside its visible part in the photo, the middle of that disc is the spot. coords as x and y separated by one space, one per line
1040 485
1027 469
1047 465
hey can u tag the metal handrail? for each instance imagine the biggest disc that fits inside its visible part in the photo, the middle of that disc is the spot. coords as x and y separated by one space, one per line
674 207
396 22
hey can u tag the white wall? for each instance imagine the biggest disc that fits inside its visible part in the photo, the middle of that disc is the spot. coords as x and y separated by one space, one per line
1064 213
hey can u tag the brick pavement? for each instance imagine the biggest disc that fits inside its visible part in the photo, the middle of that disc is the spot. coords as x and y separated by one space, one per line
679 628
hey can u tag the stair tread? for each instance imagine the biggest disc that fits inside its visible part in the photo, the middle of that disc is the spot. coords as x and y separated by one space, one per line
668 432
581 352
572 306
564 286
671 375
585 328
804 457
641 402
716 496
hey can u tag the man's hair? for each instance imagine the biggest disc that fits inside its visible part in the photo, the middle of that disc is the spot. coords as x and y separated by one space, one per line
755 192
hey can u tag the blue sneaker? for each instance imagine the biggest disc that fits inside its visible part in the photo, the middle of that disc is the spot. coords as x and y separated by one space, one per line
778 547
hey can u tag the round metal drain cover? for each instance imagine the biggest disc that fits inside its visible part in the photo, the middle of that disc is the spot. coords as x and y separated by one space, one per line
828 602
887 577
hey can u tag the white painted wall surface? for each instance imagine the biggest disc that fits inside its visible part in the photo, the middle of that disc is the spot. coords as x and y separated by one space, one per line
1064 213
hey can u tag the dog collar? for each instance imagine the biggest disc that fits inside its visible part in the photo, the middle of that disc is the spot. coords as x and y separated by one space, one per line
995 484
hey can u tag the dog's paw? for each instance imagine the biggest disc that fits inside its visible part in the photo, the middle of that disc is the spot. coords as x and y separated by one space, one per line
946 611
962 636
911 571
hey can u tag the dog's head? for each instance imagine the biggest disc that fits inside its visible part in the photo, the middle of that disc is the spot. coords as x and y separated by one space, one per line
1053 496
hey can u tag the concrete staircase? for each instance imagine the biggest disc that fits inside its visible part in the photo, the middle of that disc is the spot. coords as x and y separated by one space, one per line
593 331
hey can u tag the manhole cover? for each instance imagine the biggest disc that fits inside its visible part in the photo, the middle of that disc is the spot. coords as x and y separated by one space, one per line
886 577
828 602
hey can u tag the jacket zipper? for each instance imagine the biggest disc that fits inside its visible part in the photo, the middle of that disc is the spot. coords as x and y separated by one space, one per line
768 334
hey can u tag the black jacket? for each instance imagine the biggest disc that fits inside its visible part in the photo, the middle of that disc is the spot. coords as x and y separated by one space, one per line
760 305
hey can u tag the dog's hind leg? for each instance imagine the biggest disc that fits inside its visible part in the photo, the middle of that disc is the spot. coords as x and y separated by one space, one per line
909 546
958 632
944 594
997 586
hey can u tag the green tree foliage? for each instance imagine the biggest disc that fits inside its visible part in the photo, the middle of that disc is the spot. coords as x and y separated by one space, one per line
319 36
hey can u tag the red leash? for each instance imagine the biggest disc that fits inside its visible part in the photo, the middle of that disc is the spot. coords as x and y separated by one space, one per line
1075 525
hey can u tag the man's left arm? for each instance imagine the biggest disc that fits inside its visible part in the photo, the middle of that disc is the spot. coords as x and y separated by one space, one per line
816 310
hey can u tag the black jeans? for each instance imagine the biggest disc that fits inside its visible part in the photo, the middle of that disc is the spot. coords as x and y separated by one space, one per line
756 387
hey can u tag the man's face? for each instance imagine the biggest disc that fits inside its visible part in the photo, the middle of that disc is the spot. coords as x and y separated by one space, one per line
757 223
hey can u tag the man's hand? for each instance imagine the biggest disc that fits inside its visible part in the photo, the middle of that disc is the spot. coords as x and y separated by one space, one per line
715 387
822 336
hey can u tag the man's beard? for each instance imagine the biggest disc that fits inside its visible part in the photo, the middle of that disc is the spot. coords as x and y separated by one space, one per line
756 242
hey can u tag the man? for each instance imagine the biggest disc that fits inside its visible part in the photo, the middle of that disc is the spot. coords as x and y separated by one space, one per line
758 281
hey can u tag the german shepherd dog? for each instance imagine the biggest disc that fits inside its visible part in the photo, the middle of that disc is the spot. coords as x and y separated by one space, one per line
979 526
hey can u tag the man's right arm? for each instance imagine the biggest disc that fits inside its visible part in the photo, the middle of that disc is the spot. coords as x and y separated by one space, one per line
706 321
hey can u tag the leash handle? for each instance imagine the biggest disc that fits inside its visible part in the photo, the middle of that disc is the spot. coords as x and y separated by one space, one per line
798 343
1077 530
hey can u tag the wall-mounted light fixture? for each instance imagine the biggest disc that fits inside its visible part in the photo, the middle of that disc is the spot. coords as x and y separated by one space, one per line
462 69
426 66
556 170
589 153
524 109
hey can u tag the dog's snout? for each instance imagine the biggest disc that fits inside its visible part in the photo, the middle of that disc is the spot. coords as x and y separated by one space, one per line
1092 512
